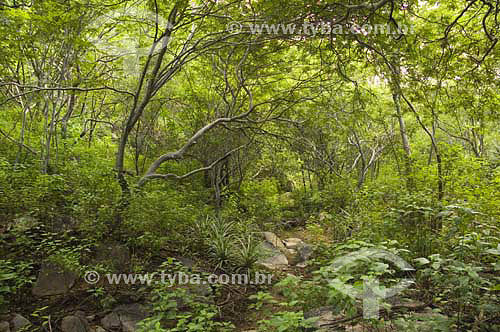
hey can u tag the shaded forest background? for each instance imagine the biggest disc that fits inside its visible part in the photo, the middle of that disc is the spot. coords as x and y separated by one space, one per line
210 137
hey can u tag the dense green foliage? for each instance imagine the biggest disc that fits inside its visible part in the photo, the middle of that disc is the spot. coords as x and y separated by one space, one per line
158 129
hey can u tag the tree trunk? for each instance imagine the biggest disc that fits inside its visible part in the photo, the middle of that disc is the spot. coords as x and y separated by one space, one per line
396 97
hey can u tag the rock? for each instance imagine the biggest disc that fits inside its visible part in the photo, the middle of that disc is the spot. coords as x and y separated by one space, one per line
318 312
187 262
294 249
274 240
275 262
298 251
293 256
53 280
4 327
129 326
19 322
301 265
273 258
24 223
80 314
99 329
130 315
268 250
293 243
125 316
115 253
74 324
111 321
323 315
305 251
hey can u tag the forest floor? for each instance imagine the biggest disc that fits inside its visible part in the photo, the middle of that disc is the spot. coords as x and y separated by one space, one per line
245 306
239 309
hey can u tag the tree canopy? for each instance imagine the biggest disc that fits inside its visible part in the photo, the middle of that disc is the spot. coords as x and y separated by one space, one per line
174 129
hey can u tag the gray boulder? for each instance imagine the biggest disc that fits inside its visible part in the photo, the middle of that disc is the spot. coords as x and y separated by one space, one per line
4 327
274 240
74 324
273 258
305 251
115 253
19 322
187 262
293 243
130 315
53 280
293 256
125 317
111 321
293 249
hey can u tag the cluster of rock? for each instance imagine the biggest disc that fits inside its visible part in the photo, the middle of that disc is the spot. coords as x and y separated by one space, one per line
291 251
122 318
14 324
53 280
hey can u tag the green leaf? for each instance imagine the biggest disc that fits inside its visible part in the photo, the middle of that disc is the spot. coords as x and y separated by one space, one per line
495 288
422 260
